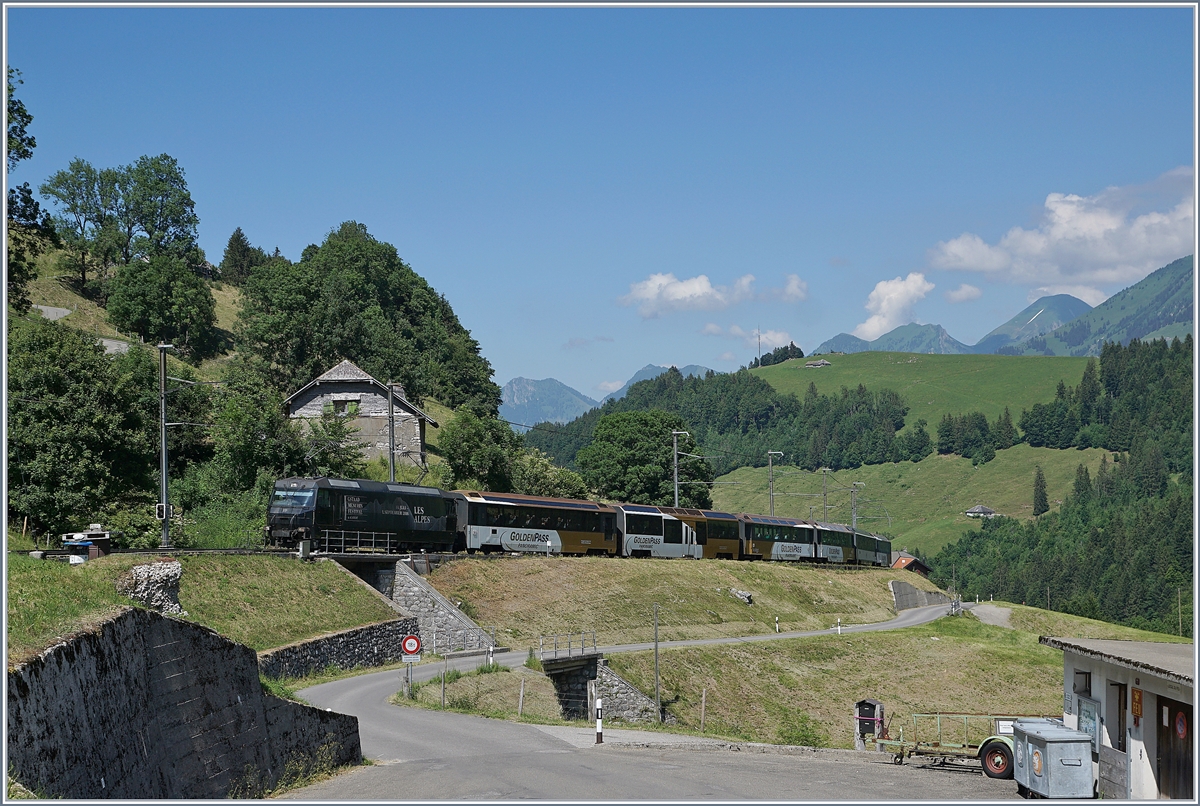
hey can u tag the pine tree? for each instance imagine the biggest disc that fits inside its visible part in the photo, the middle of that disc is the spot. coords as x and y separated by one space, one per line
1041 504
240 257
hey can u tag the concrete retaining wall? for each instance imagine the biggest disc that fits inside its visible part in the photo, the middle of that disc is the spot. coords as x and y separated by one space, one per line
443 626
373 645
145 706
907 597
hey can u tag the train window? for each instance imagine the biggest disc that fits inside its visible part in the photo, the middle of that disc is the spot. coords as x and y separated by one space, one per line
644 524
591 522
672 531
701 533
722 530
476 515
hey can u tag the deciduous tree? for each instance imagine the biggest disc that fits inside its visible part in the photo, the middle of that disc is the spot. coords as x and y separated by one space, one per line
631 459
481 449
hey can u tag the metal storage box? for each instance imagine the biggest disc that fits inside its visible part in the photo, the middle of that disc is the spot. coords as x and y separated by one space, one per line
1051 760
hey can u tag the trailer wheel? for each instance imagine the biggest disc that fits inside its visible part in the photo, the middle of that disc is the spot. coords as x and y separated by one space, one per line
997 760
898 758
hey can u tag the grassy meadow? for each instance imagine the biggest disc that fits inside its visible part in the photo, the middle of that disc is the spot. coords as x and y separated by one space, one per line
926 500
263 602
934 385
532 596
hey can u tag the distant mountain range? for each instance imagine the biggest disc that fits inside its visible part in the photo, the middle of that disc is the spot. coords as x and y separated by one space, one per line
529 402
547 401
1160 306
653 371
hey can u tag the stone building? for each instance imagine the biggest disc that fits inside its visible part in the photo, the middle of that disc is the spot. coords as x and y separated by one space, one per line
348 390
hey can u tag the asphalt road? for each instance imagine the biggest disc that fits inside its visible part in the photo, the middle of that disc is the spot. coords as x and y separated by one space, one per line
431 755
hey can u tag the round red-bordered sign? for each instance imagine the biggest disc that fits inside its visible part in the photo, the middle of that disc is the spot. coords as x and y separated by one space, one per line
1181 725
411 645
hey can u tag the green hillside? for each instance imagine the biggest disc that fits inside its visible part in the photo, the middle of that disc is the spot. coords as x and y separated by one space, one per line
1159 306
925 500
934 385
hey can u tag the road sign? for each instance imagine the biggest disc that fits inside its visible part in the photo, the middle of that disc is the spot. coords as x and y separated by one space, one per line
411 645
412 658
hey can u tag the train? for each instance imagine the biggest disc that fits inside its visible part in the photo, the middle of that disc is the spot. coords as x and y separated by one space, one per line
346 515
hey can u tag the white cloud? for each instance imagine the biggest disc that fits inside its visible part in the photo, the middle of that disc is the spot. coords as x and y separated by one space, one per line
1117 236
891 303
610 386
727 356
770 338
663 293
1086 293
963 293
796 289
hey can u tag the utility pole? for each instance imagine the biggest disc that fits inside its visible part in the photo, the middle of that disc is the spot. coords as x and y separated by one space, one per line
391 433
657 691
675 446
854 505
825 495
771 478
162 438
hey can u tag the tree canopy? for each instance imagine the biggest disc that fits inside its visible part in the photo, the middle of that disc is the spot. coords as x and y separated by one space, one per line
354 298
631 459
77 437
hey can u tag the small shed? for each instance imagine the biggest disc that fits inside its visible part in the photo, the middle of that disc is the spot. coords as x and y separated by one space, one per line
820 362
346 389
1135 698
902 559
980 511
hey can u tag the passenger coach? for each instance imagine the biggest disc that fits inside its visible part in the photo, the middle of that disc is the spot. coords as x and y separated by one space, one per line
492 522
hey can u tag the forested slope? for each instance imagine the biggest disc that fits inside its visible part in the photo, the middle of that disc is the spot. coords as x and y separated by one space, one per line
1121 545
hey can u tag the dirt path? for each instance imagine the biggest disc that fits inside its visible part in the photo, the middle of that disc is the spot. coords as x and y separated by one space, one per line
993 614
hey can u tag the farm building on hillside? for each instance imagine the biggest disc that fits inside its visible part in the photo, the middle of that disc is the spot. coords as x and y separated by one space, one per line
902 559
348 390
820 362
1135 698
980 511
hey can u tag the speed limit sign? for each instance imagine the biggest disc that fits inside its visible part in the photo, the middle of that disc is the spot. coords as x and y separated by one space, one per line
411 645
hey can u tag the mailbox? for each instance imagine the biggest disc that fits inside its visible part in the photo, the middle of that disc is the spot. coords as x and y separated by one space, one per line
869 721
1051 760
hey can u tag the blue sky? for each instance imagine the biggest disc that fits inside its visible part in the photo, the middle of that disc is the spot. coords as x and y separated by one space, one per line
598 189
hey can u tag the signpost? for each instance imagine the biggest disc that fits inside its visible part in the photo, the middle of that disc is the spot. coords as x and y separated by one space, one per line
411 646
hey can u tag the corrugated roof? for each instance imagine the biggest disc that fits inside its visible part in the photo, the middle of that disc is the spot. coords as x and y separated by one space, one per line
1172 661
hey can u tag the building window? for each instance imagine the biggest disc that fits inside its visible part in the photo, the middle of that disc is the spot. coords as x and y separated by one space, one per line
1083 683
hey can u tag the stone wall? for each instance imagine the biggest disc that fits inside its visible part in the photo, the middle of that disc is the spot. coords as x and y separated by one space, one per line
373 645
443 626
621 699
579 681
144 706
906 596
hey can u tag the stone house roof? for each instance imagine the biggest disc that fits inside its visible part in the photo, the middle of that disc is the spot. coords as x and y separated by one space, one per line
348 372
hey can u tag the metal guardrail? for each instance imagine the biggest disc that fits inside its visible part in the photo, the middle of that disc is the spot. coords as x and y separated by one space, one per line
567 645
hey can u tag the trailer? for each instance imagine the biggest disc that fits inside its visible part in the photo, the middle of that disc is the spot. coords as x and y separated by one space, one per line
949 739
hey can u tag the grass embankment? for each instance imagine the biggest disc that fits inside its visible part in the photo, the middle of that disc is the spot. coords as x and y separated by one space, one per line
531 596
493 691
926 500
801 691
934 385
262 602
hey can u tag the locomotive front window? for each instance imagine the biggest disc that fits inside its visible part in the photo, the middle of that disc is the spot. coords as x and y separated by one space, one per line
292 498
